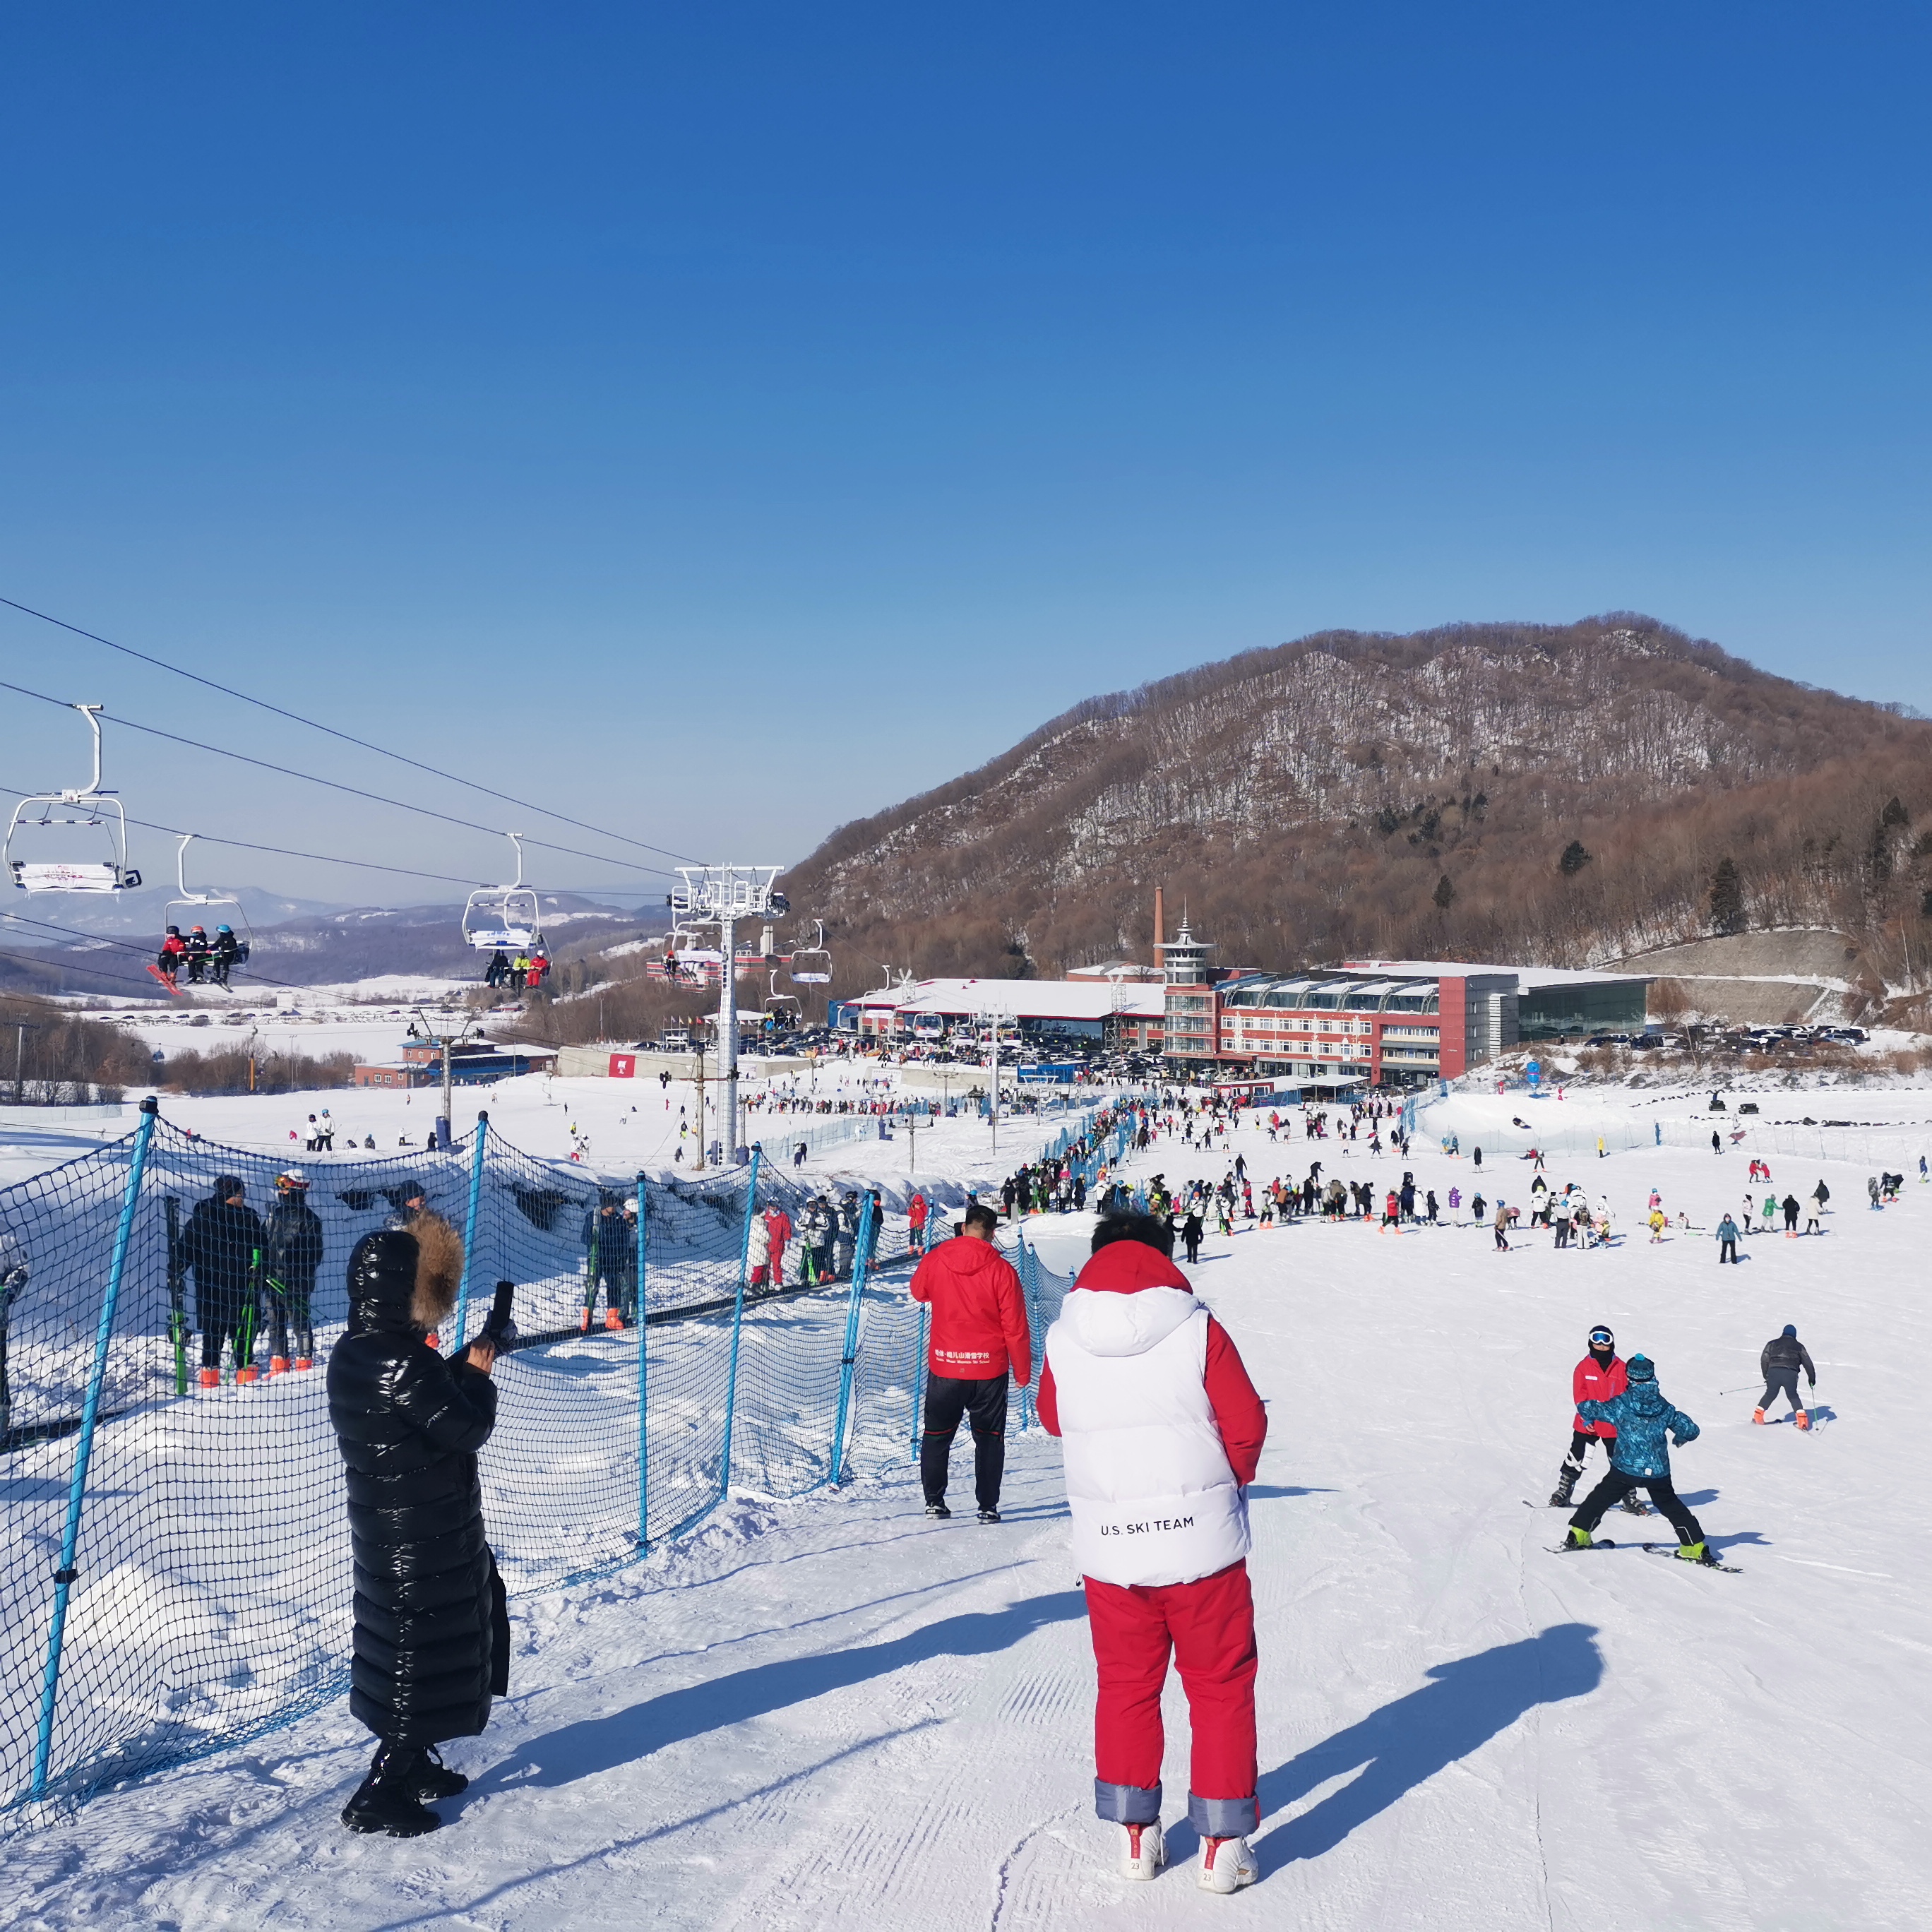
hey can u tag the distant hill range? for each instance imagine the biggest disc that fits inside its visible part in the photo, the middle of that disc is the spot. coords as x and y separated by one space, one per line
1562 794
295 943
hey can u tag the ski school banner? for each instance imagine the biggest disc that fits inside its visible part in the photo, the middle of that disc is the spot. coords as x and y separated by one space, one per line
623 1066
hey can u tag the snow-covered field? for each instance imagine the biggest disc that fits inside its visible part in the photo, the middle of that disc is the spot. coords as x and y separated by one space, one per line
835 1711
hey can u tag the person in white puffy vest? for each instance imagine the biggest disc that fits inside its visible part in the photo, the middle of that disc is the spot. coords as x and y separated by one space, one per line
1162 1432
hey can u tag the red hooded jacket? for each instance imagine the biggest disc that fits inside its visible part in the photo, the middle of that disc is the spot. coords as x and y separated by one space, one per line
1125 1267
1592 1383
978 1312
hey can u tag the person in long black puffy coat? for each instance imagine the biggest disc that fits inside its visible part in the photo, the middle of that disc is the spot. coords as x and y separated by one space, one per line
432 1634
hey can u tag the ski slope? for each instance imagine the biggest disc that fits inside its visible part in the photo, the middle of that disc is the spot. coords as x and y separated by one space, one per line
838 1713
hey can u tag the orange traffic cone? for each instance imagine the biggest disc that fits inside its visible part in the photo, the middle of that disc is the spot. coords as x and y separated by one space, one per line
278 1365
612 1319
1804 1420
303 1363
250 1374
583 1323
211 1377
1757 1415
432 1340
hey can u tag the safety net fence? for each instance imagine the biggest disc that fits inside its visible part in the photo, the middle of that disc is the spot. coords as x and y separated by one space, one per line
175 1566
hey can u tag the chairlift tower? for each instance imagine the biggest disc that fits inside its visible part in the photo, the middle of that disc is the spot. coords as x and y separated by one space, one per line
720 895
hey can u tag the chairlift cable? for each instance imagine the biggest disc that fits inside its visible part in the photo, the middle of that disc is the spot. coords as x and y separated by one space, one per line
363 744
335 785
145 952
320 858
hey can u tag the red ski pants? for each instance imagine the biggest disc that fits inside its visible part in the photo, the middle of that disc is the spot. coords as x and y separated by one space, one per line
1209 1627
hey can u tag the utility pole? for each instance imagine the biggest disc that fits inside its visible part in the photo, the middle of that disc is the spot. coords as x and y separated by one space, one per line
699 1044
21 1030
993 1102
720 895
420 1028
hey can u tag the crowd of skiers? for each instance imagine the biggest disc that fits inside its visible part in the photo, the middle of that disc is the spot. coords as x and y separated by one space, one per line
828 1234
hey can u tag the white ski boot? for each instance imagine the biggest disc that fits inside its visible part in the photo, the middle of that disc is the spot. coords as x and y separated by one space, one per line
1226 1865
1143 1849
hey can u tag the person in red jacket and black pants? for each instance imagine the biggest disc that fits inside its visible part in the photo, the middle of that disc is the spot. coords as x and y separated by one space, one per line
1599 1377
980 1337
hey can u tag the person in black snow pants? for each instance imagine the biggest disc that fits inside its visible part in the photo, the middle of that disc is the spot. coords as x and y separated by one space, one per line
1727 1241
1640 1459
432 1629
223 1245
291 1253
1790 1204
1782 1358
1191 1232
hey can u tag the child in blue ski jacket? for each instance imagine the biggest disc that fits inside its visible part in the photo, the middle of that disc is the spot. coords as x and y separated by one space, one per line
1640 1459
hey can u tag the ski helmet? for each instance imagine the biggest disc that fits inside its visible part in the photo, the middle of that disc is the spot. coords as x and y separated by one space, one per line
294 1177
224 928
1641 1369
1601 1336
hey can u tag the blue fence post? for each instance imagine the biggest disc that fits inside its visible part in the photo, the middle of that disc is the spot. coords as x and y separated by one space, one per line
860 1269
470 1223
643 1409
63 1577
738 1324
1029 1275
918 1376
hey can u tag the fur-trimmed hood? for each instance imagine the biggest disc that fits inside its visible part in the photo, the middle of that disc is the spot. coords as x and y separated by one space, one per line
405 1278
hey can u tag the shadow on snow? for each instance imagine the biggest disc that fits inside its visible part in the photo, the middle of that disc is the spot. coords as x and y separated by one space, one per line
601 1745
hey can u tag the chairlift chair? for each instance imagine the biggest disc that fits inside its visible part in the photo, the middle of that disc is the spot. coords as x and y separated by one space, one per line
782 1010
818 971
504 919
87 805
187 901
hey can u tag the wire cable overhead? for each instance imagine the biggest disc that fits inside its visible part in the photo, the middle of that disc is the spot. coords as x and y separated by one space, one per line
346 738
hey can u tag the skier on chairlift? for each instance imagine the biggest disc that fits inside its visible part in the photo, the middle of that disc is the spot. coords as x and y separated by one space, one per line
224 955
168 961
197 950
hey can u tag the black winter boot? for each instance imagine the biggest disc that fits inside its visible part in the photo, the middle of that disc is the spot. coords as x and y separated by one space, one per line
1566 1484
434 1779
386 1800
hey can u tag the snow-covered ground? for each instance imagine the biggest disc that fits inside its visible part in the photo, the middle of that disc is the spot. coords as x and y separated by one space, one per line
618 1126
835 1711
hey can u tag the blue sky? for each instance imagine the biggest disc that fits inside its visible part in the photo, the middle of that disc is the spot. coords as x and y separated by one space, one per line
720 423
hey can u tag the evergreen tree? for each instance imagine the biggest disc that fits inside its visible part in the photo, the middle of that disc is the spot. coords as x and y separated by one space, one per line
1444 894
1575 857
1727 897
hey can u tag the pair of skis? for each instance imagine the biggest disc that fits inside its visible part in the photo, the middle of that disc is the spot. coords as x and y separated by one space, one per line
1668 1549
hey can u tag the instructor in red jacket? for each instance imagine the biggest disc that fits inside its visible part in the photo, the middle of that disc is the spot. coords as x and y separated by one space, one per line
979 1337
1598 1377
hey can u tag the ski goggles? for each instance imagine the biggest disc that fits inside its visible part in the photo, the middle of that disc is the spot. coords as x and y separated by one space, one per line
1602 1338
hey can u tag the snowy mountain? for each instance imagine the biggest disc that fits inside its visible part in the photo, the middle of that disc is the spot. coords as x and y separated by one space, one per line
1565 793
